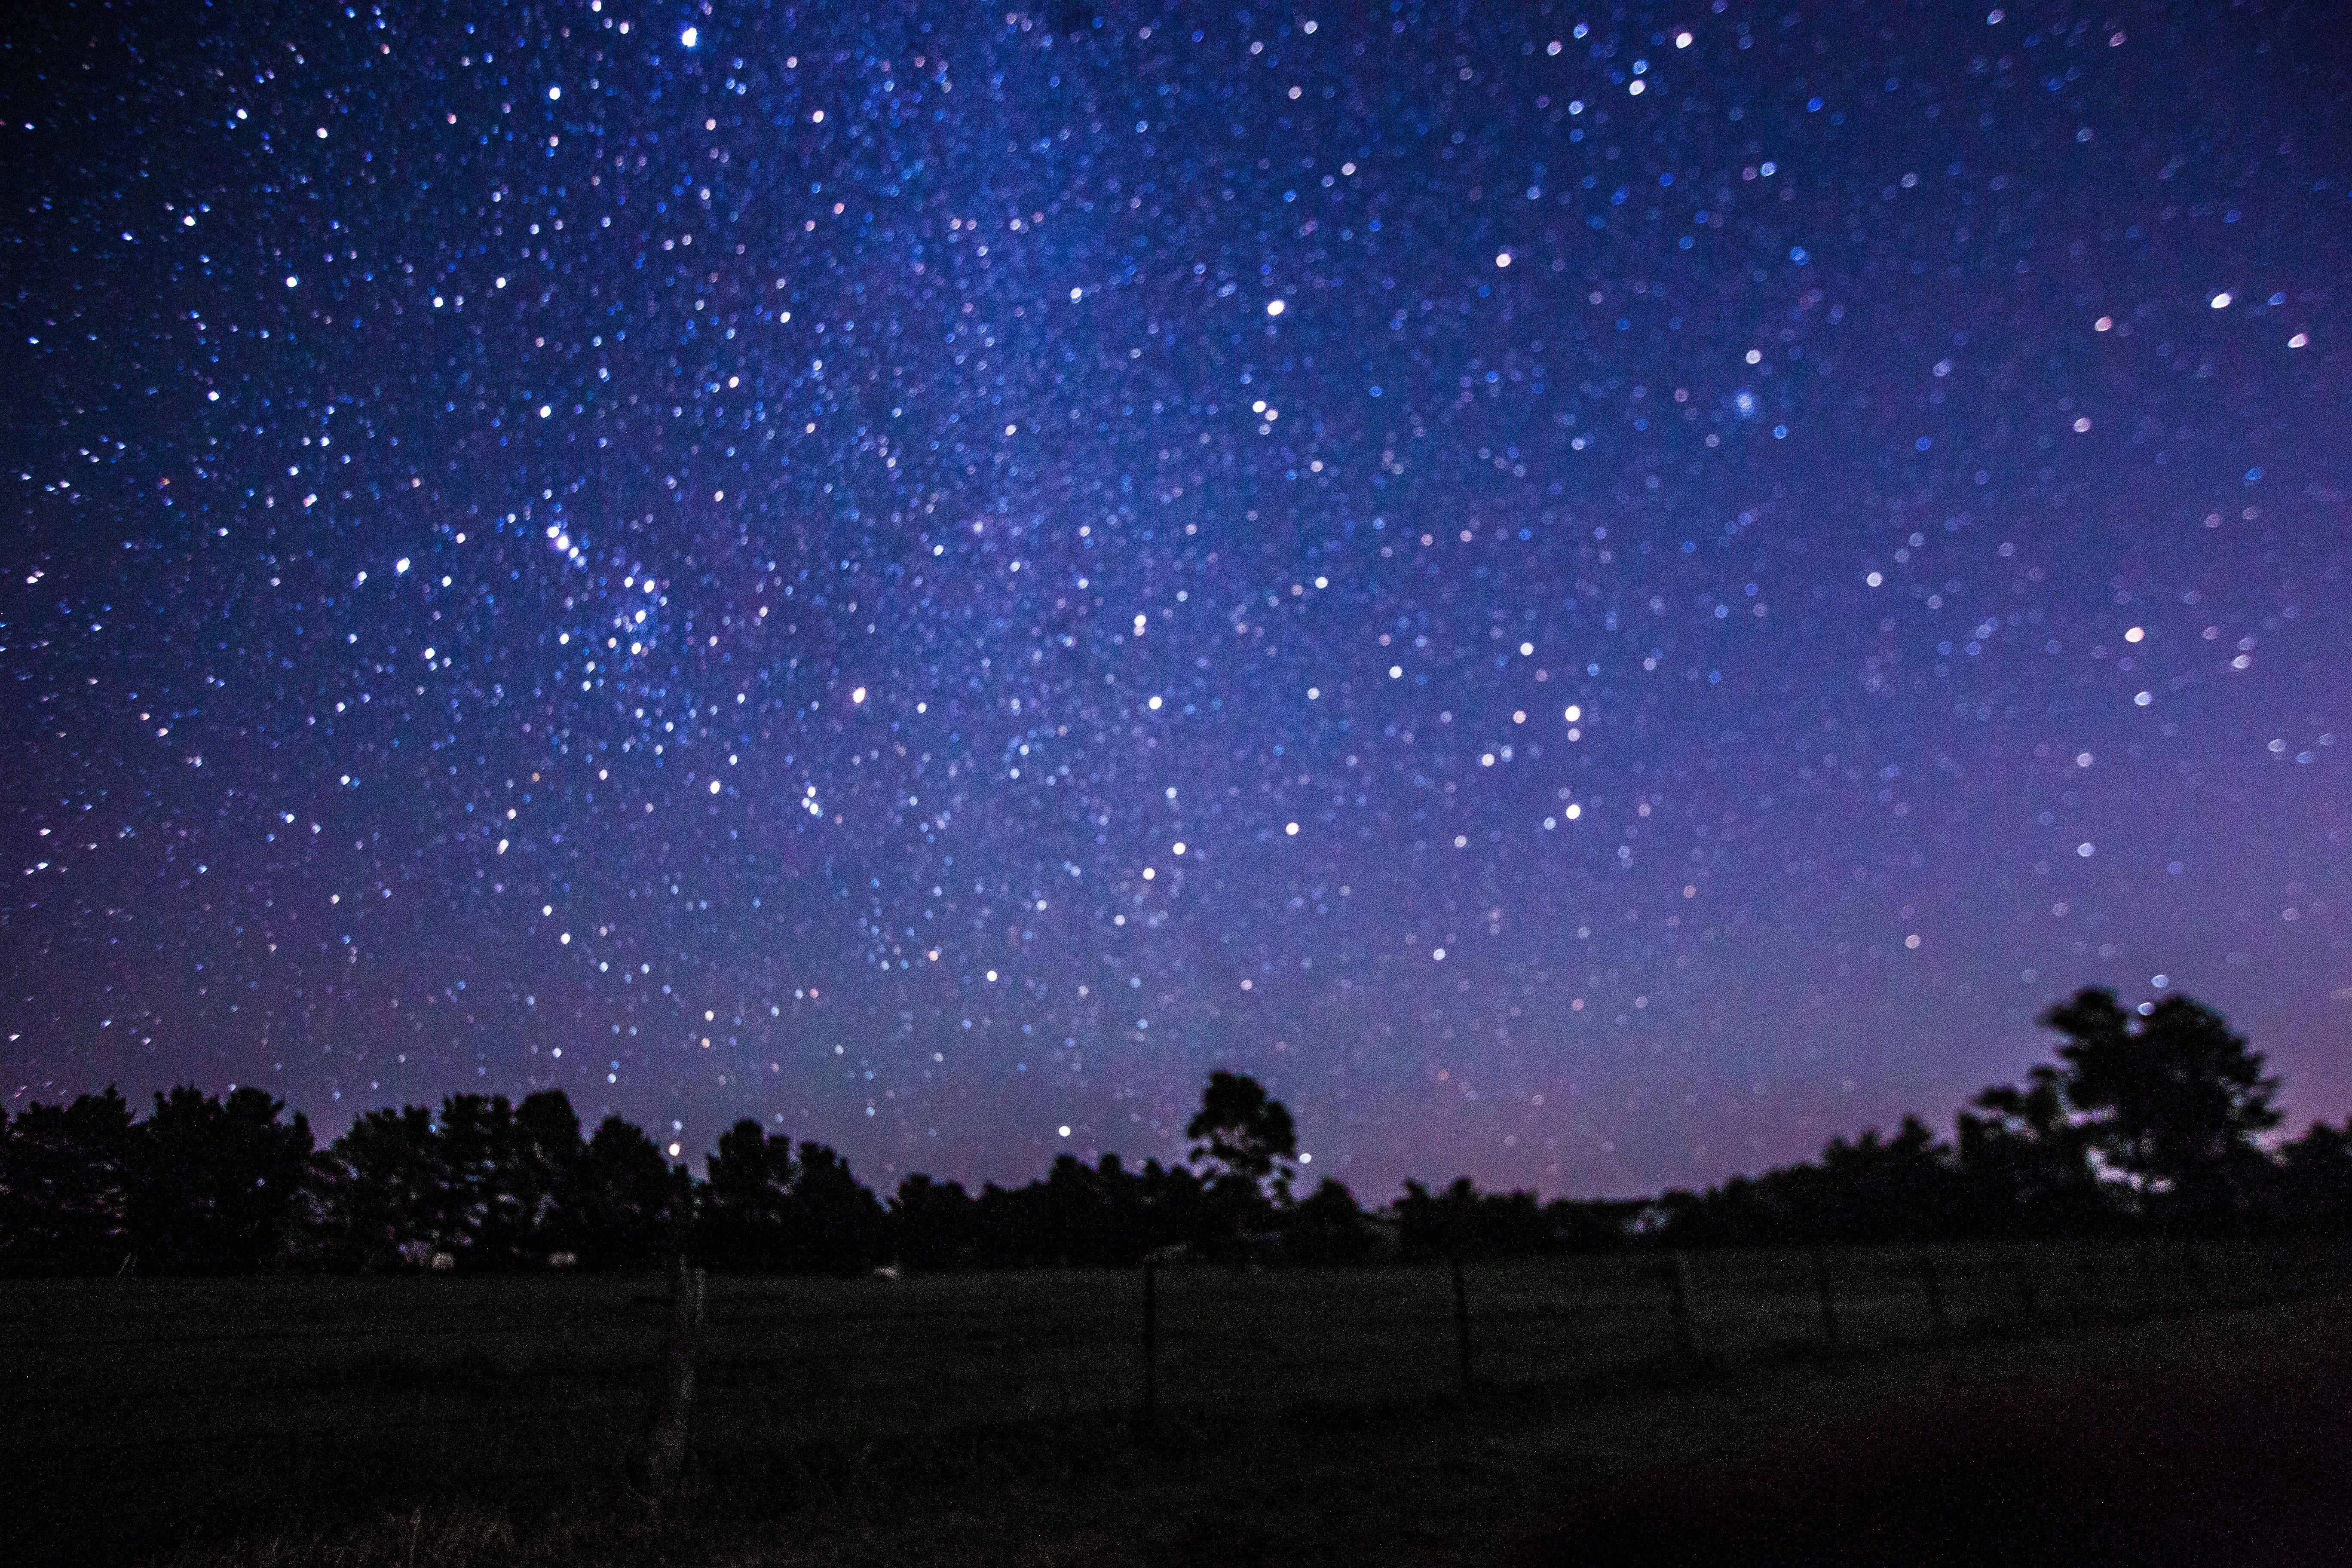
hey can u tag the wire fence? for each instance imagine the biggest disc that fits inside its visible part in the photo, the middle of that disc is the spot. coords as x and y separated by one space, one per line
417 1375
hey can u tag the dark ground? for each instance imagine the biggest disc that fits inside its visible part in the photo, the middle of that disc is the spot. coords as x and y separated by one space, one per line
2214 1439
2233 1453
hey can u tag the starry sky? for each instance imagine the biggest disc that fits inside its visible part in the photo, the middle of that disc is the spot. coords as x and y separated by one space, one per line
1595 595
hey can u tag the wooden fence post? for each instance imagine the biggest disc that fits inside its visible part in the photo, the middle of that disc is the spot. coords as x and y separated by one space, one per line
660 1458
1461 1323
1939 1322
1150 1337
1822 1288
1679 1306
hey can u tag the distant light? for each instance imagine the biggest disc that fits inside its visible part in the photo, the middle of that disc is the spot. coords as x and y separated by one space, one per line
1178 847
291 280
1682 40
1274 306
714 787
1912 941
401 564
2299 340
1064 1129
2143 699
1291 829
2135 634
1573 713
2085 851
2221 300
1076 293
1636 87
1438 955
858 695
688 39
2105 323
553 93
1875 579
1502 259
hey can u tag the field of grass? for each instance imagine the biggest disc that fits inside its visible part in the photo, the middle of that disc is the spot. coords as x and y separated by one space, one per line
148 1412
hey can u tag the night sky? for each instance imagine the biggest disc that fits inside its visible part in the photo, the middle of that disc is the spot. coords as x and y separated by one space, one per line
1594 596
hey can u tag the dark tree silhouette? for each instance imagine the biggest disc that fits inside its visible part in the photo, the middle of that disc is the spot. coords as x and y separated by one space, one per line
744 1223
1245 1142
542 1168
833 1223
1328 1226
2146 1120
632 1205
2025 1164
933 1224
217 1185
2175 1100
385 1189
65 1175
2315 1180
1241 1135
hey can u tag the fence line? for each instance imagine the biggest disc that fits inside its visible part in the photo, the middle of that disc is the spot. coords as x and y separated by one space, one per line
1377 1335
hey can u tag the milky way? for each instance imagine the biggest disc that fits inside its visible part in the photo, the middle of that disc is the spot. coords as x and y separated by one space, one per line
1592 594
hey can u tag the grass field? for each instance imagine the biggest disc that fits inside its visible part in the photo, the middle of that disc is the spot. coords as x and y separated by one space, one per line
144 1413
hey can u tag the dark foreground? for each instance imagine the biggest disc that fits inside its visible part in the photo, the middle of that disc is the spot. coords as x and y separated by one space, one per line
2216 1438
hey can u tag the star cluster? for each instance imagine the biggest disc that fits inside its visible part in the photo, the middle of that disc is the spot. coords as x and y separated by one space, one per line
1592 594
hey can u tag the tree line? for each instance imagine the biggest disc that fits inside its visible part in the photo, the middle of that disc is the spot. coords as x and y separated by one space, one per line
2154 1120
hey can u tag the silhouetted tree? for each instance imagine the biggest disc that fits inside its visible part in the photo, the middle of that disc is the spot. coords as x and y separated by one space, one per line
65 1173
2025 1162
743 1219
216 1184
386 1190
2175 1098
632 1205
1328 1226
1241 1135
933 1224
832 1223
2313 1188
1244 1142
542 1171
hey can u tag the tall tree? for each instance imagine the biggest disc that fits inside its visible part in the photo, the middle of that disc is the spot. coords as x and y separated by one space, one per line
2175 1100
216 1184
632 1206
1328 1226
65 1173
386 1183
933 1224
544 1171
1241 1135
2025 1161
743 1217
832 1222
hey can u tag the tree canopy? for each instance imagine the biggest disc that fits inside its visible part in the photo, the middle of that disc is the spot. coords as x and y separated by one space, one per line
2154 1118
